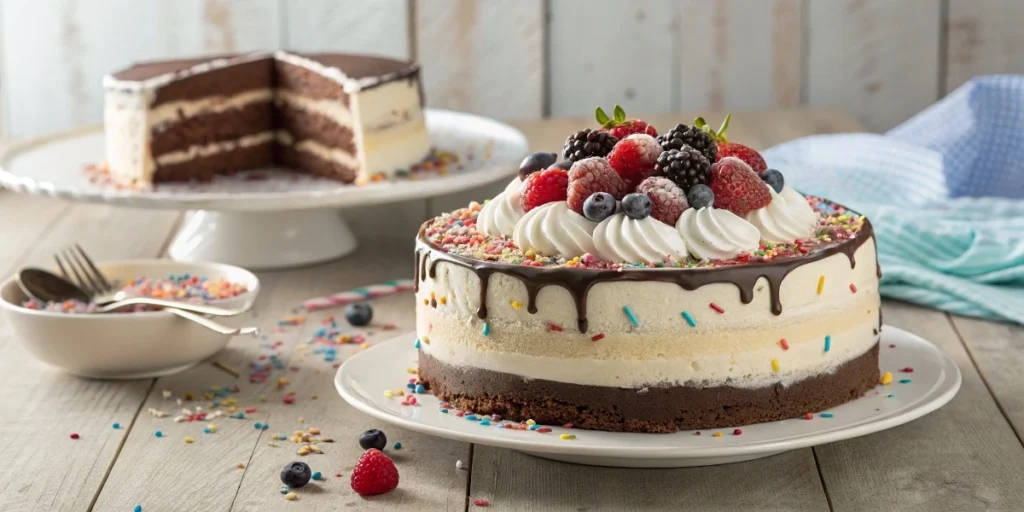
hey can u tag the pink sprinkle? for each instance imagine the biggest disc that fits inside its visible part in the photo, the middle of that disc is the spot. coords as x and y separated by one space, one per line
74 436
460 413
480 502
405 402
892 346
737 432
697 433
808 416
907 370
412 400
412 380
543 430
853 288
597 337
717 308
567 425
337 475
784 344
250 410
289 399
553 327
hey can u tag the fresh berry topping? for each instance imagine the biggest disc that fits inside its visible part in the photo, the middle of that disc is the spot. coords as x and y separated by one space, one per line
692 136
774 179
375 473
635 157
726 148
296 474
619 127
359 314
701 196
536 162
636 206
544 187
373 438
599 206
587 143
737 187
685 166
592 175
565 165
667 200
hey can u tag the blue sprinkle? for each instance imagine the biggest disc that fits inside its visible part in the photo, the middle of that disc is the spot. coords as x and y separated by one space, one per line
826 415
282 437
158 433
890 396
632 317
444 411
420 388
417 344
501 425
904 381
138 508
689 319
471 417
207 430
317 476
285 489
828 342
238 416
535 426
411 385
117 425
487 329
398 446
485 422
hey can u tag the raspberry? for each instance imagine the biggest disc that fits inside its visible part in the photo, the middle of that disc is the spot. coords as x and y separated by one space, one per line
592 175
748 155
667 198
737 187
619 127
375 473
634 158
544 187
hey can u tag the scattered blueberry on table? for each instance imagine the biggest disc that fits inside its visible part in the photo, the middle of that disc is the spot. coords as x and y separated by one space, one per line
359 314
296 474
373 438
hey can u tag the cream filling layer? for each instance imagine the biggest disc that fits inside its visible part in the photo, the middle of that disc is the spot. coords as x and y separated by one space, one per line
335 110
193 152
336 155
180 110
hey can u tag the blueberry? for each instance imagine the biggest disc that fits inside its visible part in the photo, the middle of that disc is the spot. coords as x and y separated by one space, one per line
536 162
564 164
774 179
373 438
599 206
637 206
359 314
700 196
296 474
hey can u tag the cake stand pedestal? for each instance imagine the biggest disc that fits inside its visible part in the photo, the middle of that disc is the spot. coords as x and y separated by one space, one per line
267 218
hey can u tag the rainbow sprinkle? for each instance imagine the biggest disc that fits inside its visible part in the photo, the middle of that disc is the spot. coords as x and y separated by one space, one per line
177 287
631 316
689 319
828 342
717 308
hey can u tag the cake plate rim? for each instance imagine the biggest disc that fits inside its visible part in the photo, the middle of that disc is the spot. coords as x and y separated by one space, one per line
624 454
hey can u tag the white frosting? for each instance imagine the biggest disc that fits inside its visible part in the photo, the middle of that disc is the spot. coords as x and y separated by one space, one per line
554 230
622 239
787 218
714 234
193 152
336 155
499 216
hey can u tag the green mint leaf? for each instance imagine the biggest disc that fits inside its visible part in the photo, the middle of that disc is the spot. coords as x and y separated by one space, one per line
602 118
620 114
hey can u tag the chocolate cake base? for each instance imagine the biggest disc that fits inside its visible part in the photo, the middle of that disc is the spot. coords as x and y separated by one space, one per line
653 409
205 168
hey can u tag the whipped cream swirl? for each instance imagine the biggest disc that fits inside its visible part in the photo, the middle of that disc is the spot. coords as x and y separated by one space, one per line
499 216
787 218
621 239
715 234
554 230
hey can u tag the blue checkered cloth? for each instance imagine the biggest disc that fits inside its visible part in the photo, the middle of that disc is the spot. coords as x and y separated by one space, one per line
945 192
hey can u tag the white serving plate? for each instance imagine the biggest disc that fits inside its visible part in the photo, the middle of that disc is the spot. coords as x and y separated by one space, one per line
362 379
125 345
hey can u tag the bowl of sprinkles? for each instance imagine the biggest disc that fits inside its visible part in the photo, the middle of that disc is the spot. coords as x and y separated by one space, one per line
136 341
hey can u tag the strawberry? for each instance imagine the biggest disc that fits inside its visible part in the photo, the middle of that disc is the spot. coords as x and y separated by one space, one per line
544 187
735 149
634 157
592 175
667 200
375 473
737 187
618 127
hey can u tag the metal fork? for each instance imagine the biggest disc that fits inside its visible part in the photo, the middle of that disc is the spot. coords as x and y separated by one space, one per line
85 274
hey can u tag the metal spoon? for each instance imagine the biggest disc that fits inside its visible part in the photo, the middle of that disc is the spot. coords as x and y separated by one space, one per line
45 286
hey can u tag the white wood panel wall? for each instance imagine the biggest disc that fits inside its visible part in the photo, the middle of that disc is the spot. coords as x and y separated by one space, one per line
883 60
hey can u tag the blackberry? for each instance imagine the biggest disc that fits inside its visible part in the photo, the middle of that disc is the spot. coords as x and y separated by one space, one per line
587 143
692 136
685 166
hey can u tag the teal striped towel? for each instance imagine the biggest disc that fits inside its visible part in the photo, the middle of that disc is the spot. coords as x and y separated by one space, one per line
945 192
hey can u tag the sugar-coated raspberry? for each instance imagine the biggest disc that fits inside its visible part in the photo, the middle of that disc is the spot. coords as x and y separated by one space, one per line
737 187
592 175
375 473
544 187
667 200
634 158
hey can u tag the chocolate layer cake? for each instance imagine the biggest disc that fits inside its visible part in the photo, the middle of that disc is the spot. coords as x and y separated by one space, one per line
346 117
650 304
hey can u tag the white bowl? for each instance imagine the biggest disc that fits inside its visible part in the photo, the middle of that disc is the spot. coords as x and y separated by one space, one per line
124 345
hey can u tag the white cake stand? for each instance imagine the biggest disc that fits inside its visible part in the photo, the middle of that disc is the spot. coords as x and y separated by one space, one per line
269 218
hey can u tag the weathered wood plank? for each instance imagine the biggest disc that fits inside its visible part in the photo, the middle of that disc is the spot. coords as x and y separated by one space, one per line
739 54
40 402
962 457
998 351
983 37
875 58
380 27
634 69
483 57
203 476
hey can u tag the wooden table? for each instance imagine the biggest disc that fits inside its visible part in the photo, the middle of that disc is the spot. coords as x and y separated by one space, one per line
966 456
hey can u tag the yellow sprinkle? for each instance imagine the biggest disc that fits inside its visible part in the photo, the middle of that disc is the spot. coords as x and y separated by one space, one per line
232 409
426 302
315 431
443 300
303 451
240 465
775 365
301 347
282 382
425 339
821 284
388 393
413 371
364 345
531 422
516 305
716 434
886 378
290 496
567 437
230 401
432 296
189 440
263 399
399 392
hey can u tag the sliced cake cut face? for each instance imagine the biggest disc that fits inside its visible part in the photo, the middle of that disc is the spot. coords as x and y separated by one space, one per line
351 118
